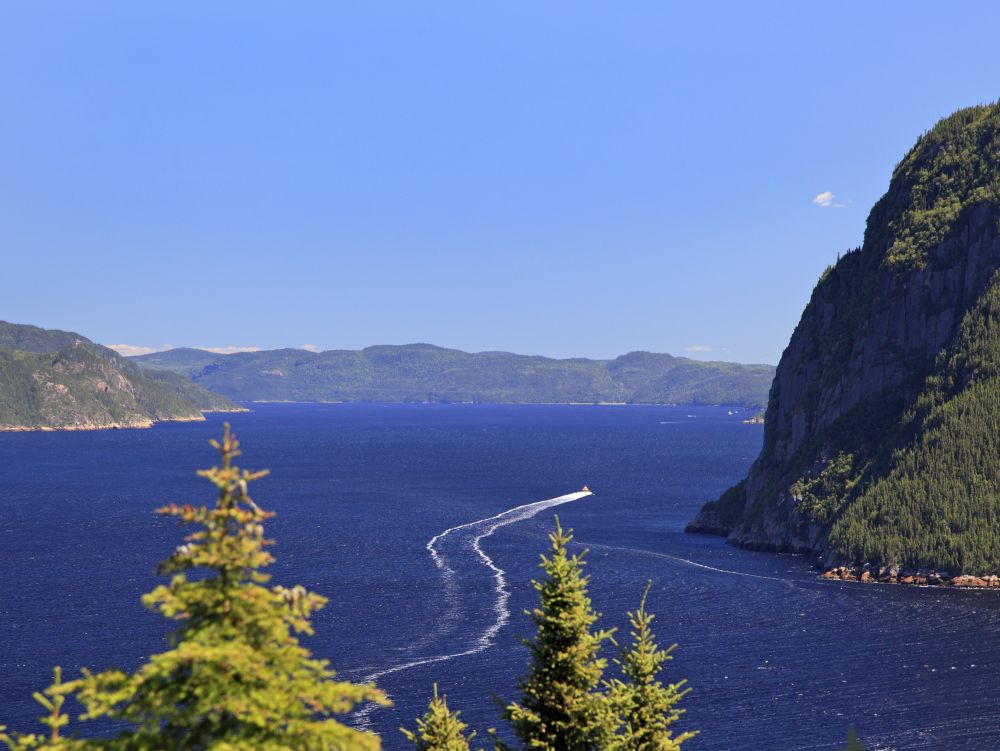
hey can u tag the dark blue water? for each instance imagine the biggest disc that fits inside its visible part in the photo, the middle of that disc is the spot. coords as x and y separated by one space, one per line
776 658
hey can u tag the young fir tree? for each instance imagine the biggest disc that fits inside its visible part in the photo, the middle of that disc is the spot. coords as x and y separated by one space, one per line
439 729
236 677
645 706
562 708
52 699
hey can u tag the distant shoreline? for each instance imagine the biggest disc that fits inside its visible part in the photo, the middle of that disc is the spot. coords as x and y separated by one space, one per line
133 425
495 404
149 423
425 372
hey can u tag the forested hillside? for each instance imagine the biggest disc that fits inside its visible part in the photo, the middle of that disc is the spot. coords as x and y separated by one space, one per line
62 380
425 373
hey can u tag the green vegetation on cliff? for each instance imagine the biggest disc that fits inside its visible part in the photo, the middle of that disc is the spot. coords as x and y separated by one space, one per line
952 167
185 388
936 501
425 373
26 338
58 379
882 434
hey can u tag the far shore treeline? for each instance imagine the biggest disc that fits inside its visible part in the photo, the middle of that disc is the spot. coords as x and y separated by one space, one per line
425 373
61 380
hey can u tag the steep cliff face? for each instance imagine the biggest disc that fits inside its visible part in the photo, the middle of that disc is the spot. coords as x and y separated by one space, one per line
862 432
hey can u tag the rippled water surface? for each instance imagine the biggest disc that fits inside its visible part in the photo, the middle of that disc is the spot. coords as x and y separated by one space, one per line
777 659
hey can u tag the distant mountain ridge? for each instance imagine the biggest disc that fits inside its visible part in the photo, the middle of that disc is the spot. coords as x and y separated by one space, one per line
52 379
427 373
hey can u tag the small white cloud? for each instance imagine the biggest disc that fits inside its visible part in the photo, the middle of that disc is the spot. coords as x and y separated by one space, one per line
311 347
131 350
229 350
697 348
826 200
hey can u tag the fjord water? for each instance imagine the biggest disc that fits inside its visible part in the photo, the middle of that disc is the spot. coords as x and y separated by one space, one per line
776 658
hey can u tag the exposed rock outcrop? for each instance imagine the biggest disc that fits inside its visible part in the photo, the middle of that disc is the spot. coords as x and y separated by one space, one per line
896 341
83 386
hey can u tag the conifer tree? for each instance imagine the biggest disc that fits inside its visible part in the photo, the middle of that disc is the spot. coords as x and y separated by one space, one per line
52 699
646 707
562 708
439 729
236 676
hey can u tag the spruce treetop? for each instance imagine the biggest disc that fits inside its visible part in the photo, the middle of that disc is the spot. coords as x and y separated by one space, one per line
440 729
236 676
646 707
562 708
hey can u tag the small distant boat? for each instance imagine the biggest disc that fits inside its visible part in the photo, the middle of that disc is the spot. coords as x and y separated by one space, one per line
585 489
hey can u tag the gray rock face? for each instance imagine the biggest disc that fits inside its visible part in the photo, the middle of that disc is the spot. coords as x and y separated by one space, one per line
866 341
83 386
914 318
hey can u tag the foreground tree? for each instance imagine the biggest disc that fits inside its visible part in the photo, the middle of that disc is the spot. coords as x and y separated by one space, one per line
439 729
645 706
52 699
562 708
236 676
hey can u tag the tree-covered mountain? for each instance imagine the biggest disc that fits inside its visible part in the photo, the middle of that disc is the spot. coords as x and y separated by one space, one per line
882 439
25 338
62 380
425 373
184 360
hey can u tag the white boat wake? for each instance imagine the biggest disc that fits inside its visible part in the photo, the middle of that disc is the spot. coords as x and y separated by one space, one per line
445 550
678 559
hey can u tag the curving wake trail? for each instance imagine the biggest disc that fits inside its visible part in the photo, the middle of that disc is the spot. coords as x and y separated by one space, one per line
679 559
452 551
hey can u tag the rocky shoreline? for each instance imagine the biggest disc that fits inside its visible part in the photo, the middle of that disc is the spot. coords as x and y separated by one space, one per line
695 528
138 424
919 577
866 573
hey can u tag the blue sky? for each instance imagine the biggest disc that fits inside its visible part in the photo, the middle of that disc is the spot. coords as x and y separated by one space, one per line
559 178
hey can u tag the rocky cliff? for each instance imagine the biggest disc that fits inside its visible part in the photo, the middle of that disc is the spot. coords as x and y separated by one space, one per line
54 380
879 447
